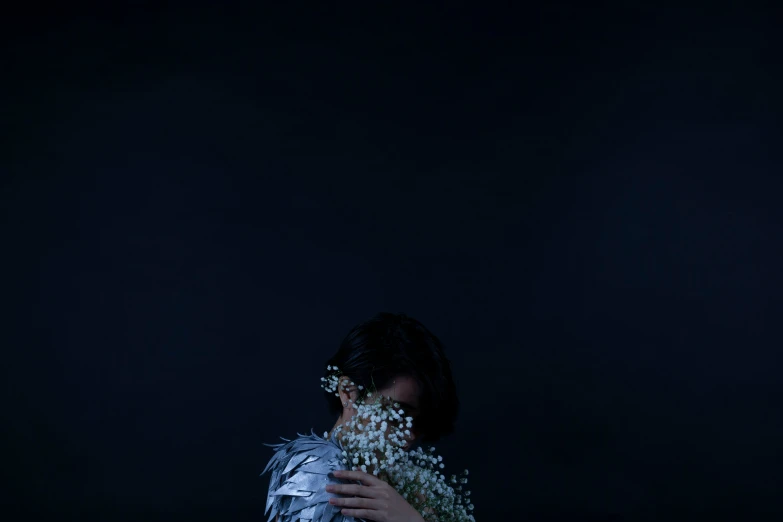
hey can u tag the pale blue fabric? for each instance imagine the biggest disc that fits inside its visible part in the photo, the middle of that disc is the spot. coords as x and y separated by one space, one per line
301 469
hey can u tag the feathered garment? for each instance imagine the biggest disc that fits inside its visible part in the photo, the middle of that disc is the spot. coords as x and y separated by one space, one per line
301 469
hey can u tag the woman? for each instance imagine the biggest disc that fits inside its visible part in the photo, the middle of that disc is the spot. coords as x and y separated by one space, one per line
400 359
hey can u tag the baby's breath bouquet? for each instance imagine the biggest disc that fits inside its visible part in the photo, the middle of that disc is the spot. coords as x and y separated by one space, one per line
374 440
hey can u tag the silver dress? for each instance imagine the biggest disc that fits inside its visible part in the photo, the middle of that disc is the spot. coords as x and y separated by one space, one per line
301 469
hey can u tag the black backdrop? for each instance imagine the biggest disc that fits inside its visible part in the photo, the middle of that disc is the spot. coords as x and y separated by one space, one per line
199 201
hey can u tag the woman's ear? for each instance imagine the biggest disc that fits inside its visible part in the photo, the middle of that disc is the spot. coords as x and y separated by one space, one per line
349 392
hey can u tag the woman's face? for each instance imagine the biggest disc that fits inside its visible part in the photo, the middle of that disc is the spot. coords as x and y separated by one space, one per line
405 391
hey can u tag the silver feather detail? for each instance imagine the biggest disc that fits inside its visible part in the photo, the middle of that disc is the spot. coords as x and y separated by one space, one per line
300 471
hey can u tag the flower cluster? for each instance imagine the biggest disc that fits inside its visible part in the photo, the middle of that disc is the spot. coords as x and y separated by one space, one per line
331 382
374 441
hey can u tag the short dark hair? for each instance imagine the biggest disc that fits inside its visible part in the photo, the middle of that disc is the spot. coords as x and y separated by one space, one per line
391 344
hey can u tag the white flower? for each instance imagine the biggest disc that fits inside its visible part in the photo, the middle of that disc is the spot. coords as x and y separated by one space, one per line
373 441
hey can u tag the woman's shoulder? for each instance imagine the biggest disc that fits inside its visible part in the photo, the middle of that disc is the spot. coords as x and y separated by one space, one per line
308 451
300 470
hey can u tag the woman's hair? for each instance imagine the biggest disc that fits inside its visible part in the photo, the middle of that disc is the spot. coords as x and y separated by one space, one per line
387 345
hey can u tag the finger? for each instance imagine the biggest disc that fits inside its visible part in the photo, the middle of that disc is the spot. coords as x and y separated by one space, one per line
359 513
354 502
349 489
366 478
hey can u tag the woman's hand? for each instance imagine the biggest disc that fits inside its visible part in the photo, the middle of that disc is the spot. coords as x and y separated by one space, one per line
373 499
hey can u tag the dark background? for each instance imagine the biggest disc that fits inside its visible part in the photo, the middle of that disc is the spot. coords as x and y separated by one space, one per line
199 201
